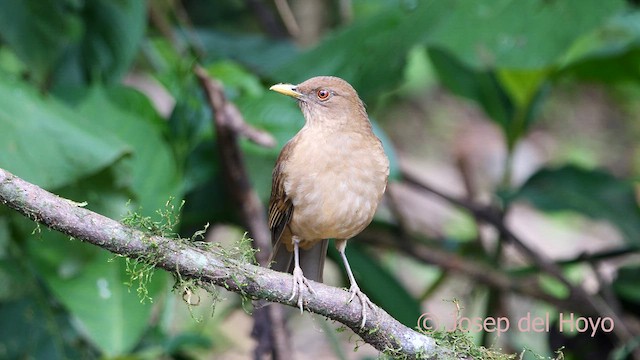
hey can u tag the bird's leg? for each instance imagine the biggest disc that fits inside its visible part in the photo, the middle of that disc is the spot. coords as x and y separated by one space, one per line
298 277
354 289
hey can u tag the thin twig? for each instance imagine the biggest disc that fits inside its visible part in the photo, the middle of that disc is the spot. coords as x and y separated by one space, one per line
208 267
288 19
229 125
269 328
589 303
495 304
227 115
452 262
592 257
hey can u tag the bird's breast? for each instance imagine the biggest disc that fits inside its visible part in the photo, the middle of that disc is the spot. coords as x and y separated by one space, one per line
335 184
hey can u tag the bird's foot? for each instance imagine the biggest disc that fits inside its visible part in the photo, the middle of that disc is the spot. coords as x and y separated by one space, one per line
298 282
364 301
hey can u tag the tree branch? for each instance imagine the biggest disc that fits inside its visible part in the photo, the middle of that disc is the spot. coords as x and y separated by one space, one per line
587 303
269 326
208 267
475 270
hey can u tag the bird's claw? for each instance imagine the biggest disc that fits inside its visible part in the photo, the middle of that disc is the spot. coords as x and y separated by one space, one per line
298 281
364 302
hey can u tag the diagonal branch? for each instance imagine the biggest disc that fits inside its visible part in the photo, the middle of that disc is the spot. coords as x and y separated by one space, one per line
208 267
269 328
475 270
229 123
587 303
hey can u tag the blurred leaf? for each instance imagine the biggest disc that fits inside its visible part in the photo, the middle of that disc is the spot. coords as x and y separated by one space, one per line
356 52
88 281
626 284
553 286
235 79
522 85
608 54
136 103
419 73
189 125
617 35
185 341
593 193
608 69
153 168
254 51
85 278
82 168
42 141
379 284
114 30
510 34
464 39
482 87
518 34
72 42
389 149
10 64
34 324
33 329
39 31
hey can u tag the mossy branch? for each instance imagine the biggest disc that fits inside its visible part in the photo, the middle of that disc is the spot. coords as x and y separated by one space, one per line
208 267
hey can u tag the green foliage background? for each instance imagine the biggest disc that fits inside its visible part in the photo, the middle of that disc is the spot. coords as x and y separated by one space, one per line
69 124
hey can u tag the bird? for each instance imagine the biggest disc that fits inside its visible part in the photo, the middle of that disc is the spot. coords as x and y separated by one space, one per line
326 184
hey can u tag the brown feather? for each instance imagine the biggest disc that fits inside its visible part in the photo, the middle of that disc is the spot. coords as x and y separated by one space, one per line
280 206
334 170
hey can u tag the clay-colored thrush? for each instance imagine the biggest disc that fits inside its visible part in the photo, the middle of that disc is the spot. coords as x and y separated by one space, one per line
327 182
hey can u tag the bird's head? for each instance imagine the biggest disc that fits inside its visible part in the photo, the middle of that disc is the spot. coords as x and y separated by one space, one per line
328 101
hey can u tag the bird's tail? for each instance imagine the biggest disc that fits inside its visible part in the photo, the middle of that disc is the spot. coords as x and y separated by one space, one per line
311 260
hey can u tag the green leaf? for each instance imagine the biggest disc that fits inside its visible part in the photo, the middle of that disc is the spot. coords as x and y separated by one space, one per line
153 169
257 52
553 286
615 36
522 85
518 34
114 30
43 142
357 52
594 193
626 284
235 79
39 31
10 64
379 284
89 282
486 34
511 98
609 54
480 86
31 330
68 42
85 279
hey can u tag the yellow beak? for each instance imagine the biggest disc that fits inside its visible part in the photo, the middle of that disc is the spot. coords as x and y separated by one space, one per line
286 89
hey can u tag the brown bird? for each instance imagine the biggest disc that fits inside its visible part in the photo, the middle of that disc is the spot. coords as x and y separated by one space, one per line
327 182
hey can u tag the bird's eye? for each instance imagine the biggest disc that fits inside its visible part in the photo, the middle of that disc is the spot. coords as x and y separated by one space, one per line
323 94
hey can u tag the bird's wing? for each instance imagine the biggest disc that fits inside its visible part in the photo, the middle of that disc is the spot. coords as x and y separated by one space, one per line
280 205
